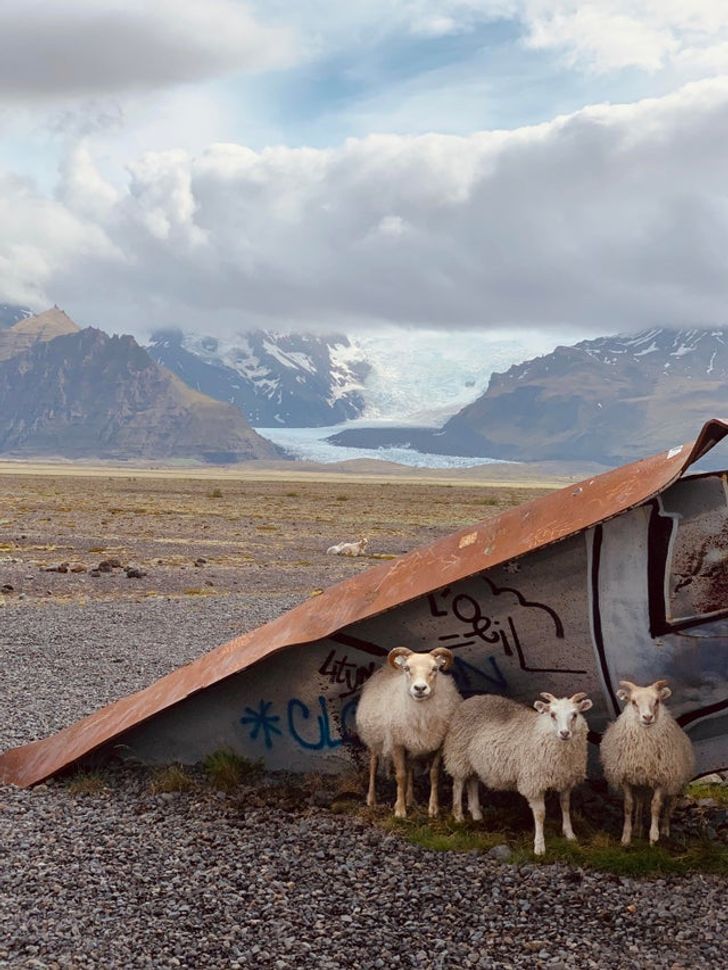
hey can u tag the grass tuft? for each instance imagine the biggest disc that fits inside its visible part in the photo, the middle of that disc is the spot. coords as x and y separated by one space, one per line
172 778
215 493
719 793
227 770
87 783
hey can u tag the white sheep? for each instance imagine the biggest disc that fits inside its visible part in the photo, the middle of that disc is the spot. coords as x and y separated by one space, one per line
348 548
510 747
646 748
404 710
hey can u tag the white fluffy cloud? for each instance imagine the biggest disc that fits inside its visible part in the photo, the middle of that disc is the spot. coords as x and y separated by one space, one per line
96 47
606 35
611 218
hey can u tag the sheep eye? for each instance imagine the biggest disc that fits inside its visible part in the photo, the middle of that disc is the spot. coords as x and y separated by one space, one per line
553 717
573 716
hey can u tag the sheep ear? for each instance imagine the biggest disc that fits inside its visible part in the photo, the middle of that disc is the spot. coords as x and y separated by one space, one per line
541 707
397 658
585 705
664 693
623 695
443 657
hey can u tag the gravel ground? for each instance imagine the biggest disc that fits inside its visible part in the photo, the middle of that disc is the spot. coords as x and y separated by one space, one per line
127 878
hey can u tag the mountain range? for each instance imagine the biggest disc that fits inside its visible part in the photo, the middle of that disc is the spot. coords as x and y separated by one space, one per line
294 380
608 400
83 394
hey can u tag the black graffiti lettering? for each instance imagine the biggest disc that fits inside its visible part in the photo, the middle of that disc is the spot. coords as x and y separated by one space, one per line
343 672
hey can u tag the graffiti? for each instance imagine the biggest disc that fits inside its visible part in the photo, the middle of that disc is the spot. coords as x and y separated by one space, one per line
322 738
311 731
492 630
262 720
343 672
472 680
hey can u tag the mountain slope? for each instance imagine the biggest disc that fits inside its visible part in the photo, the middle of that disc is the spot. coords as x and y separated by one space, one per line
610 400
85 394
291 380
11 314
28 330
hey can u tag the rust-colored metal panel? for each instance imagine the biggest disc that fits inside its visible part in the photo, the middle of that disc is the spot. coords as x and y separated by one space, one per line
510 535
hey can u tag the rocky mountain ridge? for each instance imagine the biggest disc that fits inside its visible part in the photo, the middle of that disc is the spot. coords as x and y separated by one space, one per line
81 393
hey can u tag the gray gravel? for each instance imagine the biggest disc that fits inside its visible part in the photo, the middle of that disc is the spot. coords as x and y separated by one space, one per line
126 878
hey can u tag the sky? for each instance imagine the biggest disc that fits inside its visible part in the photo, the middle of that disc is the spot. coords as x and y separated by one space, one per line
222 165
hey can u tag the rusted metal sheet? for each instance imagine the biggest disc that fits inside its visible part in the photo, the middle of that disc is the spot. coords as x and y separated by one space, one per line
466 554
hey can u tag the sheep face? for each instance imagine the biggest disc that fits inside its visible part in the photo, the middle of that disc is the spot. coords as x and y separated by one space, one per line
563 713
644 703
420 670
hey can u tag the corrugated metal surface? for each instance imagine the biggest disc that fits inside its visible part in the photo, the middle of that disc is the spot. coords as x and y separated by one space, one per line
507 536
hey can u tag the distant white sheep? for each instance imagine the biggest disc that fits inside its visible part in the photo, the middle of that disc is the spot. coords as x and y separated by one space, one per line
348 548
646 748
511 747
404 710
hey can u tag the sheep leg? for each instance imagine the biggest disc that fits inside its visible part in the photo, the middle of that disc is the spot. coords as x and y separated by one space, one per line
474 799
400 770
538 807
670 803
639 807
657 800
565 800
433 809
628 808
372 793
457 799
411 786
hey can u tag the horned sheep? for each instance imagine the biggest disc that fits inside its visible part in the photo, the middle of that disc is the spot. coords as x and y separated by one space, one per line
646 748
510 747
403 714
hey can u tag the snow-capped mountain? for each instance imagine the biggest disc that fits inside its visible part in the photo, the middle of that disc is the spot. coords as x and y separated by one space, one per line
304 380
611 400
285 380
11 314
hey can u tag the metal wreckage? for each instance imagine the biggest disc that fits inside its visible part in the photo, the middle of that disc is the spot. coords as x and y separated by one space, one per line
622 576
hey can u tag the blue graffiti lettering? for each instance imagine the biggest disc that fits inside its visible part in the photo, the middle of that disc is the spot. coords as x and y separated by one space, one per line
324 739
472 680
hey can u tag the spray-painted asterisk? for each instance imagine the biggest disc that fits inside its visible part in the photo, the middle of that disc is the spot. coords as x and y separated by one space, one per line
262 720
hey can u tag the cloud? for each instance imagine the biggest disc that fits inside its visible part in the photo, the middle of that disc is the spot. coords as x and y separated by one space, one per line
612 218
609 35
85 48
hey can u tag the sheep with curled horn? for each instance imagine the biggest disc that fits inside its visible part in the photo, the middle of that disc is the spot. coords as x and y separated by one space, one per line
403 715
646 748
511 747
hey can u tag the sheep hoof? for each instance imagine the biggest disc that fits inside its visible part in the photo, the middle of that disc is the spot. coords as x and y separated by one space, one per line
476 816
400 812
433 812
539 850
626 840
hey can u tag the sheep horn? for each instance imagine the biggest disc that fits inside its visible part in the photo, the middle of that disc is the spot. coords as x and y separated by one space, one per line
443 656
661 683
395 653
548 697
628 685
575 698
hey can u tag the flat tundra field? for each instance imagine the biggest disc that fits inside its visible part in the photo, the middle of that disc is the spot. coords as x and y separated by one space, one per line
147 868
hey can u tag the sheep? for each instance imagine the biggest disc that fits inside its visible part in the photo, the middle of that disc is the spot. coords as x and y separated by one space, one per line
510 747
404 710
348 548
645 747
